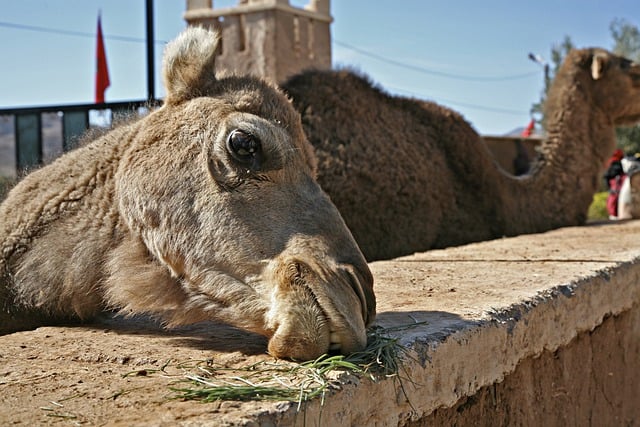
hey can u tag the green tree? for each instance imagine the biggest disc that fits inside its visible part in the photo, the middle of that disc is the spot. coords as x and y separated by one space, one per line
626 38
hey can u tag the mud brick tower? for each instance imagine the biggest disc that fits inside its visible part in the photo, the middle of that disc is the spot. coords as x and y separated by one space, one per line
268 38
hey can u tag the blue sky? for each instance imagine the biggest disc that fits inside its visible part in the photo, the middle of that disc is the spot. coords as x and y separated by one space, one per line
463 54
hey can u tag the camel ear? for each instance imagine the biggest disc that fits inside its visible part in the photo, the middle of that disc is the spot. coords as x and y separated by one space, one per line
188 67
597 65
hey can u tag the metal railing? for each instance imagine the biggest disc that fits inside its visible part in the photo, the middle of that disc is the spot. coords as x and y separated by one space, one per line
75 120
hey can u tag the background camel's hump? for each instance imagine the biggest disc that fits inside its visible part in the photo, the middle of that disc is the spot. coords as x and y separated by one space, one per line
408 175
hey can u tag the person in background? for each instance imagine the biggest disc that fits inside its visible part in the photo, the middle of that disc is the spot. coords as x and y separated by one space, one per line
630 166
613 178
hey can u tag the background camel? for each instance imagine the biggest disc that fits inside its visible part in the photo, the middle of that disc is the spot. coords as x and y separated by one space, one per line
409 175
205 209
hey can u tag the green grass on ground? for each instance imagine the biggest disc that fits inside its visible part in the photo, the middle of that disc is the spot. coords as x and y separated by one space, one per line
598 208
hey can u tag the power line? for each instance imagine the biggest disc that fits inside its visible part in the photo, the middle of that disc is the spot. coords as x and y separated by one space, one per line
434 72
463 104
490 109
74 33
339 43
346 45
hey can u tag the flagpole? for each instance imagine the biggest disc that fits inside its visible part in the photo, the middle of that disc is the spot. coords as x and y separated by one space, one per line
151 84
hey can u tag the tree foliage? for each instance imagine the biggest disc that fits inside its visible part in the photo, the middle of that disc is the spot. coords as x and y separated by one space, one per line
626 42
626 39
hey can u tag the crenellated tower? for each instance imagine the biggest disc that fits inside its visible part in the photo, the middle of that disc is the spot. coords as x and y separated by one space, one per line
268 38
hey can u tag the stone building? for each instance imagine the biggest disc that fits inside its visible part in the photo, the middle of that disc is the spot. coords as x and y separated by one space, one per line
268 38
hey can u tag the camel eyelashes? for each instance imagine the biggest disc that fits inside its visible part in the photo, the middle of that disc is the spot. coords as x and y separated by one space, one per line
245 148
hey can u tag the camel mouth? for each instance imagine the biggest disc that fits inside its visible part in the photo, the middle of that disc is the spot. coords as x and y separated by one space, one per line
319 311
340 338
335 332
342 301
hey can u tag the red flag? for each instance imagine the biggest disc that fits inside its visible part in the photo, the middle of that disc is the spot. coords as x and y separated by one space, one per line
529 129
102 72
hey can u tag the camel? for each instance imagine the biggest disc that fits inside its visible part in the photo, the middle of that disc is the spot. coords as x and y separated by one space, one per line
205 209
409 175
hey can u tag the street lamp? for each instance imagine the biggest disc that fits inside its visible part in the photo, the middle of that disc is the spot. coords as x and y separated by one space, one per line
540 60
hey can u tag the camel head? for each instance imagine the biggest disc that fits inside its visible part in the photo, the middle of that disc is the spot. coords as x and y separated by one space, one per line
218 188
615 84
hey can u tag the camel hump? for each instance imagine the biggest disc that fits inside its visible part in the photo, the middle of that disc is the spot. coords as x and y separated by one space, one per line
188 67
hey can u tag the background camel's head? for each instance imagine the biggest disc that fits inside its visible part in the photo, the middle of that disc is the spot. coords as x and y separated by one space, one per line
218 188
615 83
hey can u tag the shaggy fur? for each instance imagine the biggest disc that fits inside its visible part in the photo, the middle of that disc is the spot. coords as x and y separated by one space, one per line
165 216
409 175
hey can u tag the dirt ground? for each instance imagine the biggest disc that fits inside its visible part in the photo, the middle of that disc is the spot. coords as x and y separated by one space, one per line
121 371
110 373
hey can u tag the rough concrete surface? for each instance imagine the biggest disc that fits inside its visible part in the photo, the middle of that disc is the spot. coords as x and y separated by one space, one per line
500 315
593 381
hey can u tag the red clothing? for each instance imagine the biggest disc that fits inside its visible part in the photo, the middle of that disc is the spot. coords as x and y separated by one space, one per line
613 178
615 184
616 157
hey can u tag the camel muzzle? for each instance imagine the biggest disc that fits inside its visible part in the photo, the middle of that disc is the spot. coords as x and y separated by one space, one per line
319 309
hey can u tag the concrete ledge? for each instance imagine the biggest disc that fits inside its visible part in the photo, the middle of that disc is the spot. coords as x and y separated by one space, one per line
490 307
590 382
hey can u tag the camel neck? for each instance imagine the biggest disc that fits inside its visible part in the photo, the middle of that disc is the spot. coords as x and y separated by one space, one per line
580 137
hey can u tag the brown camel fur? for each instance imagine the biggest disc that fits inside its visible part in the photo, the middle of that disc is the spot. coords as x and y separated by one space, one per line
409 175
206 209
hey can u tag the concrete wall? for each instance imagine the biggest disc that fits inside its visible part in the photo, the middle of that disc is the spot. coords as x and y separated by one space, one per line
540 329
592 381
533 330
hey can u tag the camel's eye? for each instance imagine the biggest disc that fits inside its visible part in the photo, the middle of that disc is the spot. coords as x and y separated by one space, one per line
245 148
